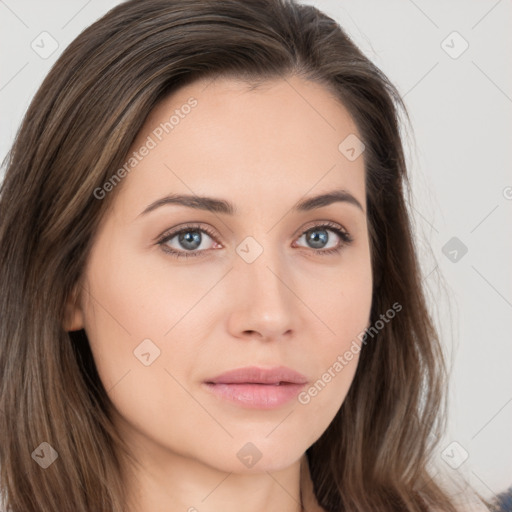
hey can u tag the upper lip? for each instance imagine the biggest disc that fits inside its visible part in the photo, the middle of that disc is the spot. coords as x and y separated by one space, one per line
256 375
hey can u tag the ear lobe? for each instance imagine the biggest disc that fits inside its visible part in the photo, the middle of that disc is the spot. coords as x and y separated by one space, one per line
73 315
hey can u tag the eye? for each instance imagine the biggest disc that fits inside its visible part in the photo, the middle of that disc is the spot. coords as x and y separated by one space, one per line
190 240
318 237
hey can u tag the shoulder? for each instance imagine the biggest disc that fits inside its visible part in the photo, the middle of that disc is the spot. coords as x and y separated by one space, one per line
503 501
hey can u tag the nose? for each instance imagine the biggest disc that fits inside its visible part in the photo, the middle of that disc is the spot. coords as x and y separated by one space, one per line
263 303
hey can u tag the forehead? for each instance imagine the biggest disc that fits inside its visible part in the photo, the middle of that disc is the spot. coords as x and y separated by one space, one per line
222 138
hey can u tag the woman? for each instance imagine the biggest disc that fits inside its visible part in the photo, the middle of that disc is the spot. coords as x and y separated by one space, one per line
211 298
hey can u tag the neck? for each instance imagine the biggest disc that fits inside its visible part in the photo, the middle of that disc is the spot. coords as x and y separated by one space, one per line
177 484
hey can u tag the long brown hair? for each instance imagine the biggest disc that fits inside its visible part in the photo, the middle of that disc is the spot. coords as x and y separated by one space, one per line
76 133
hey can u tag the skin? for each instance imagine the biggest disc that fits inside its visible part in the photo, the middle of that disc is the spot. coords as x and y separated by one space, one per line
263 150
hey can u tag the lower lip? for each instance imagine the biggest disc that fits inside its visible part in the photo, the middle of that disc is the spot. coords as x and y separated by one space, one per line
256 396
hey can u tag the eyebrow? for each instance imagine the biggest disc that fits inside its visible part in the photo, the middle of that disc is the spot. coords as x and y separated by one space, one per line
222 206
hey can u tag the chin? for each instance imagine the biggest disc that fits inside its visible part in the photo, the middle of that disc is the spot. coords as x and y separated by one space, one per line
265 454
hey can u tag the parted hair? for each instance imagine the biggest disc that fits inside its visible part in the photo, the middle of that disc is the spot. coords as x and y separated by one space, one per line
76 132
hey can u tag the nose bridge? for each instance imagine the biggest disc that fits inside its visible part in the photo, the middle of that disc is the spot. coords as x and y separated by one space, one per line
262 289
265 273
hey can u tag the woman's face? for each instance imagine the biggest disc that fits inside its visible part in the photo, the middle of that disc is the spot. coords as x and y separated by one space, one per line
267 283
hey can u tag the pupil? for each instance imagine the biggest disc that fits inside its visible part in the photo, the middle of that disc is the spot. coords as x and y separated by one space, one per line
318 240
190 242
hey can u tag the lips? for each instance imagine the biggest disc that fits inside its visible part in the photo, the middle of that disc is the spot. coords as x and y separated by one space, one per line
255 375
257 388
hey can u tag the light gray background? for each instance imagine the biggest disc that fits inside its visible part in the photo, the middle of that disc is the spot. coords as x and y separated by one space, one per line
460 171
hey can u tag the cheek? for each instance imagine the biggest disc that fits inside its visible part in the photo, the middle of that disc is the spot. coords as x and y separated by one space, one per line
135 297
344 303
127 314
138 319
321 401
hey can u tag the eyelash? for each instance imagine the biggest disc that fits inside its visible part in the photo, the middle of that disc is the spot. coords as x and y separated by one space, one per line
346 239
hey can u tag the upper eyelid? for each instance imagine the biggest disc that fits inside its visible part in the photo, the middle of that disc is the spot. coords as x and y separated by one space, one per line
321 223
171 233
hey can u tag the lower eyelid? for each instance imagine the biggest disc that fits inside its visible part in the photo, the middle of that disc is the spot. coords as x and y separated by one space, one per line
344 236
345 239
167 238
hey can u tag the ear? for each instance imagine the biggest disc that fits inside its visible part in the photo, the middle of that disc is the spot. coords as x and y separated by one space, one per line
73 316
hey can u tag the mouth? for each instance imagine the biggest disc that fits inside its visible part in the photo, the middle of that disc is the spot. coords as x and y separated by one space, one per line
257 388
